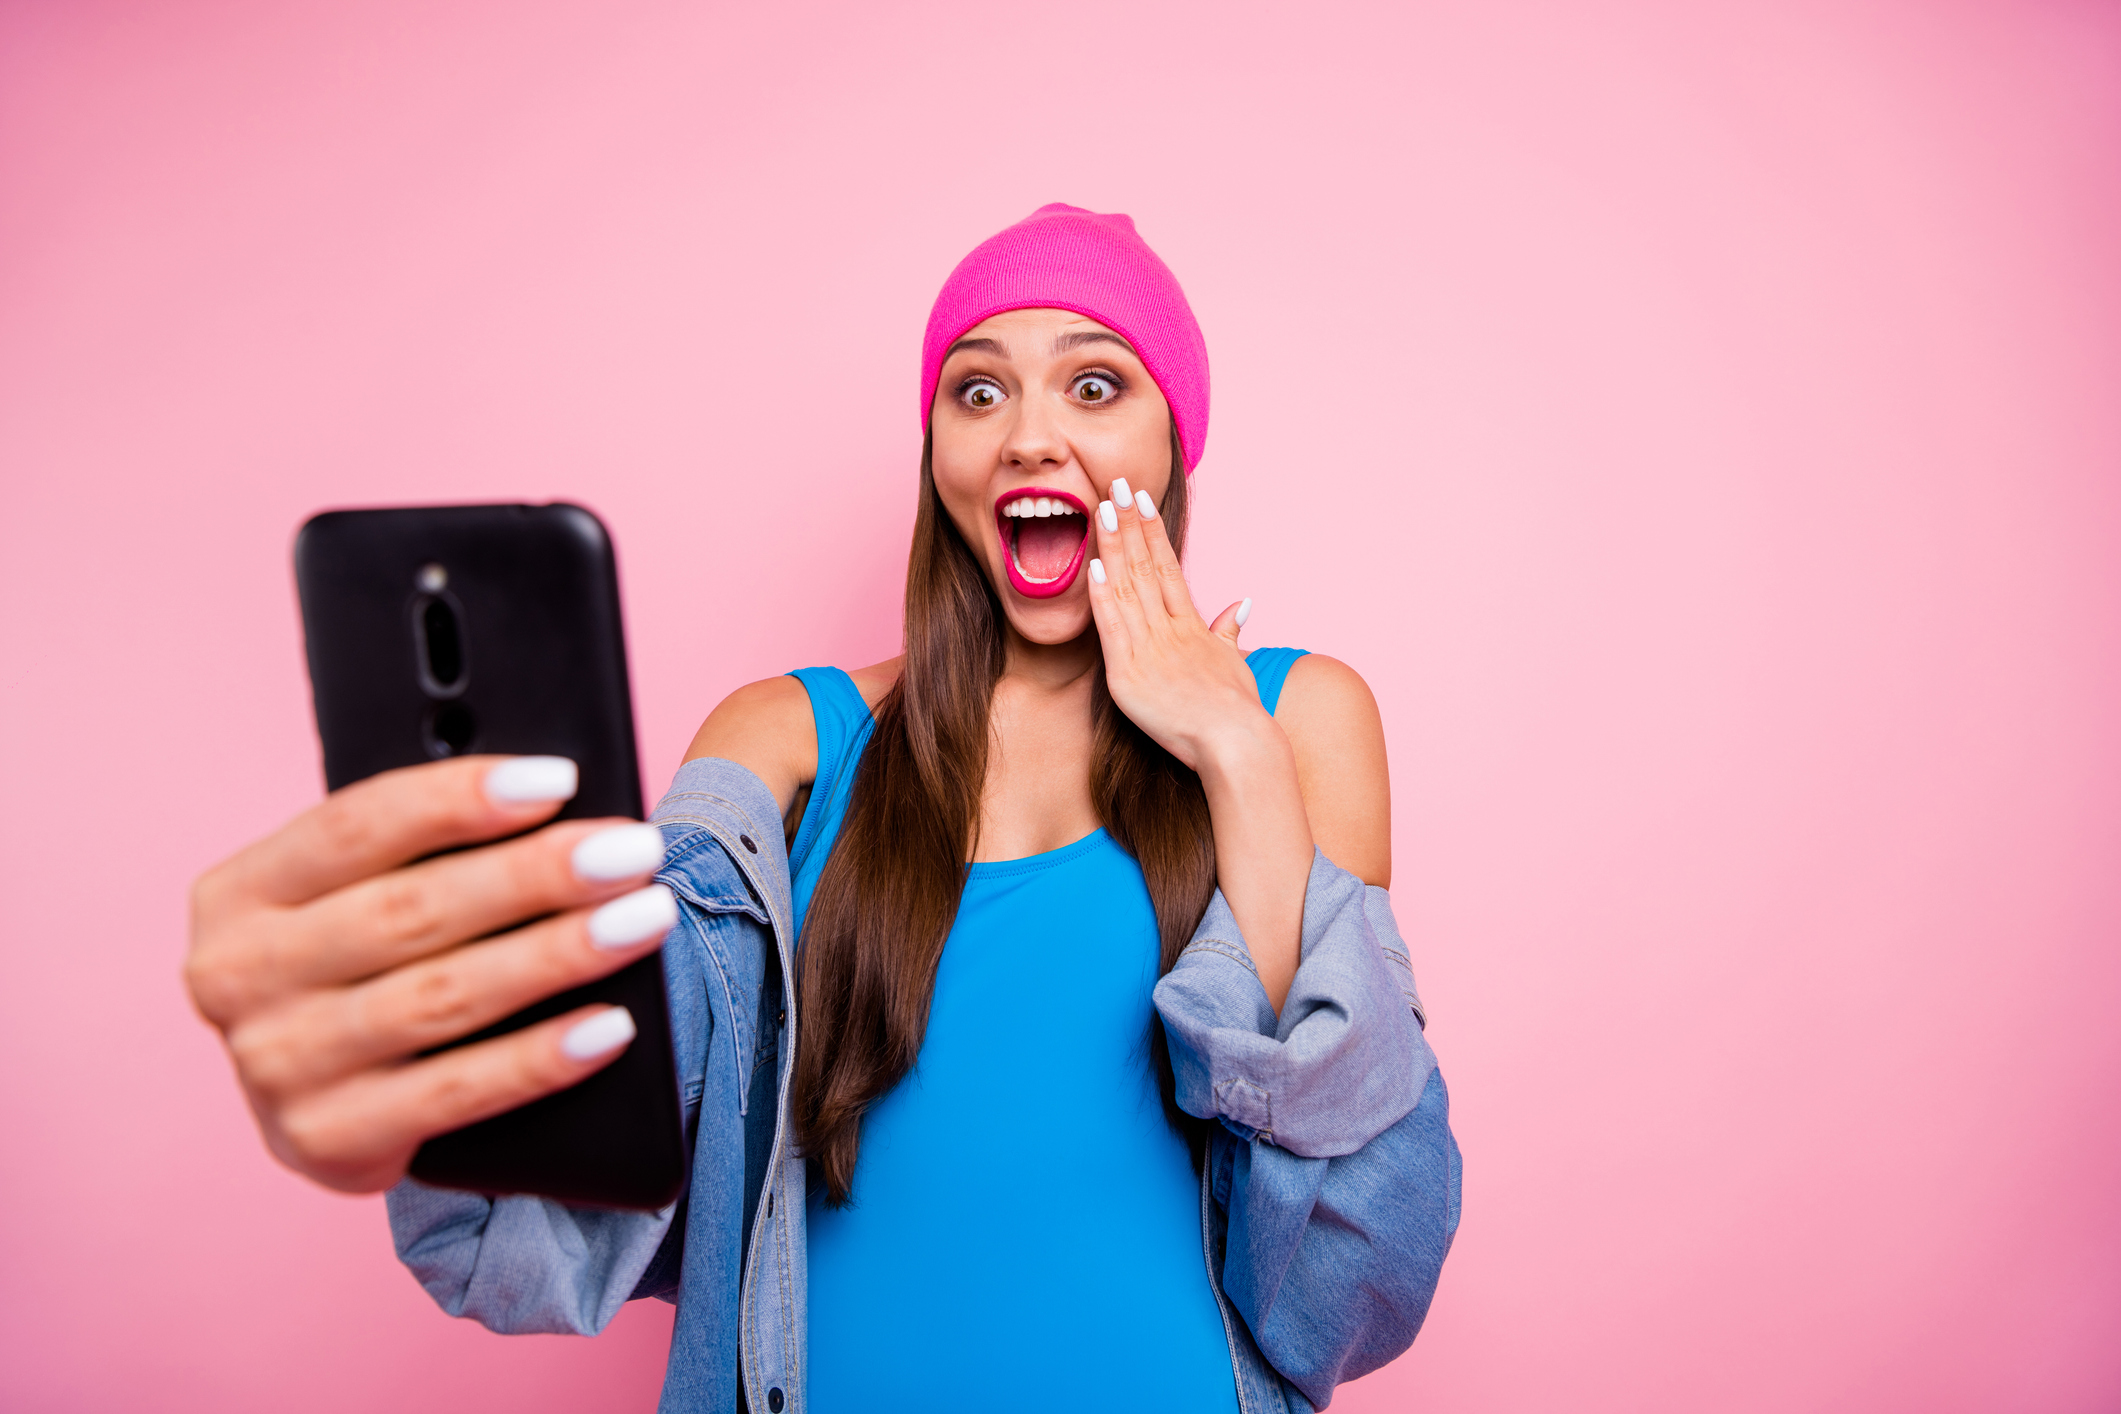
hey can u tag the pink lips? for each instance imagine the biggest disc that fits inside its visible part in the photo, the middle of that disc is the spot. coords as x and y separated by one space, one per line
1059 584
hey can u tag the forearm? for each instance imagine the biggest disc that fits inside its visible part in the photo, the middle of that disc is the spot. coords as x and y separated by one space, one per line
1263 844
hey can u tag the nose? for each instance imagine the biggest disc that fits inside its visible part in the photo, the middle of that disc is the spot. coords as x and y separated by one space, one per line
1034 442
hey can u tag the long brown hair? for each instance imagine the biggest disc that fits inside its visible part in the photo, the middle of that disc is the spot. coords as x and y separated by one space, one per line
889 893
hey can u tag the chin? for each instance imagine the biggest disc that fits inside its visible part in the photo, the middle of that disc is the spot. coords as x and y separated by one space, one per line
1047 622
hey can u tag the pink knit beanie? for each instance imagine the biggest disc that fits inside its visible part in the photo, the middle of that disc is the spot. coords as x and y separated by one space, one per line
1063 257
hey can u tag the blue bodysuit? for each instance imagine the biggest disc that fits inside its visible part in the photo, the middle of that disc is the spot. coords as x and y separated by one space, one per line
1062 1262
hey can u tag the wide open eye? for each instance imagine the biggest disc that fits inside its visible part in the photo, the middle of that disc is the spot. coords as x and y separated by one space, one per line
1095 388
980 394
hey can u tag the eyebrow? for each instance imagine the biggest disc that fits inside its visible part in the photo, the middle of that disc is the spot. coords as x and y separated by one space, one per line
1061 345
1089 336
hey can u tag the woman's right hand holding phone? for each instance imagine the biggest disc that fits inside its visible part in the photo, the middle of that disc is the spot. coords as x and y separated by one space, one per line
333 952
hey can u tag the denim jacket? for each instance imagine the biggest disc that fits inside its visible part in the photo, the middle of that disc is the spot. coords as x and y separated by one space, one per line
1329 1194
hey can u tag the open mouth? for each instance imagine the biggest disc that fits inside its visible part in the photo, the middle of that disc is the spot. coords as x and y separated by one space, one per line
1044 532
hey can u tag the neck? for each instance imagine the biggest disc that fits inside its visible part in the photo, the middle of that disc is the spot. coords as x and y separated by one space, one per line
1050 667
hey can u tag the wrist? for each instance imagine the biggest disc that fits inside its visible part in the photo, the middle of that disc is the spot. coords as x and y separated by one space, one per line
1249 747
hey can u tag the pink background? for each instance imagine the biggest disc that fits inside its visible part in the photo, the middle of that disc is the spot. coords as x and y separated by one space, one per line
1700 423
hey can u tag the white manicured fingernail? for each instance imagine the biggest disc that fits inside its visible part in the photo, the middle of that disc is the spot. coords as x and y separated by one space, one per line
1097 571
1145 505
532 780
619 853
634 918
1244 611
1121 492
598 1035
1107 517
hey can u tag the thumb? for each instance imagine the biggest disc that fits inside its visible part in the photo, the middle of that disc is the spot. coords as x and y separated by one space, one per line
1229 621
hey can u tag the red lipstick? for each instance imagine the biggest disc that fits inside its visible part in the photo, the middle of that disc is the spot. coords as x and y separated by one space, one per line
1059 503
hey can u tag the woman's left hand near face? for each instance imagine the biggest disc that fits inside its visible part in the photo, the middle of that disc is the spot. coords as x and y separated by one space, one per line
1177 677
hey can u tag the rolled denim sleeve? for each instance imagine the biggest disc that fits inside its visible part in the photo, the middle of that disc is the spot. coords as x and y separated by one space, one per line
1343 1062
523 1265
1334 1174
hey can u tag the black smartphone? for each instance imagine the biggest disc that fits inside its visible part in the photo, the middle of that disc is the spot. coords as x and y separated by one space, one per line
436 631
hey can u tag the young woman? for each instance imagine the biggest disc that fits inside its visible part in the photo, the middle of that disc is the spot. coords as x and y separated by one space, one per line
1100 1074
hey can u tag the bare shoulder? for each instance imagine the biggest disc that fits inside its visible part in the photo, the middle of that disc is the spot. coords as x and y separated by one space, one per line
770 712
766 727
1330 717
1326 695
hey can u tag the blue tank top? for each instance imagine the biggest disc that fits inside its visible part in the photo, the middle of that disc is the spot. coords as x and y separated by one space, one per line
1025 1232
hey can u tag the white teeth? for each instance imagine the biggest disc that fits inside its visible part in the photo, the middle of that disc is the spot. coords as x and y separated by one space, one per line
1027 506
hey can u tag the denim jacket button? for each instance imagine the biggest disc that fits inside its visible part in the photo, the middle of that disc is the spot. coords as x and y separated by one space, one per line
774 1398
746 839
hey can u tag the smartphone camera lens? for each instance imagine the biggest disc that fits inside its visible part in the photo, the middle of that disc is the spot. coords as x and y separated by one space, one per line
450 729
443 642
438 643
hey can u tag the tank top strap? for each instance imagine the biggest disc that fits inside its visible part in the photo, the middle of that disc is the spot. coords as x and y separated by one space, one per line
1270 669
843 730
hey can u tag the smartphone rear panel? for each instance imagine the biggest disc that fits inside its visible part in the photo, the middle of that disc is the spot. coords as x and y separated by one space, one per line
451 630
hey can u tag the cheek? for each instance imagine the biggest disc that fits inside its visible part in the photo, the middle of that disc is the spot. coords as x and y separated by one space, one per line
1139 447
1144 459
975 525
963 491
